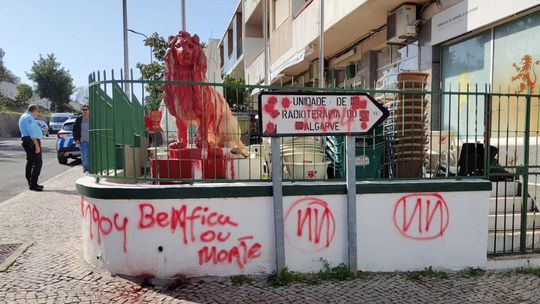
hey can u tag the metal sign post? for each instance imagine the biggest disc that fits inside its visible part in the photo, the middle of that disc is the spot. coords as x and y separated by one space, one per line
318 114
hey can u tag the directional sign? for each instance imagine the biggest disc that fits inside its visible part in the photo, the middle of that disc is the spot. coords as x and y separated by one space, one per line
295 114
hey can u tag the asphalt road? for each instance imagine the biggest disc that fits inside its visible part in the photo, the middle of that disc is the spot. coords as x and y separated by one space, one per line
13 162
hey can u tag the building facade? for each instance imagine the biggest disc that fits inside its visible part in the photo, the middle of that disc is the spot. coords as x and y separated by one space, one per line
463 45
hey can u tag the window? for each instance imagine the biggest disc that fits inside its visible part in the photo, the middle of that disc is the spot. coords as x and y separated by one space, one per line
230 45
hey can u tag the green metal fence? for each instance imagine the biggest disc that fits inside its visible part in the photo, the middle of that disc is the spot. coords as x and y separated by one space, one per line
464 132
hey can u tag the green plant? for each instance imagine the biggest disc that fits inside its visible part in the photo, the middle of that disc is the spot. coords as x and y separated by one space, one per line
340 272
529 270
241 280
285 277
235 94
426 273
473 272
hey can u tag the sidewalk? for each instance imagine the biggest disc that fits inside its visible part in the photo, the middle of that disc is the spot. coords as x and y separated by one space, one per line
52 269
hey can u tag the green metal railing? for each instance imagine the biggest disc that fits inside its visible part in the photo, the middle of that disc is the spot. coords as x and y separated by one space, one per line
461 133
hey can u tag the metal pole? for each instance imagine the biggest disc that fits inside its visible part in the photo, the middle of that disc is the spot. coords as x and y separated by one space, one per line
126 59
321 43
350 160
184 15
525 175
277 178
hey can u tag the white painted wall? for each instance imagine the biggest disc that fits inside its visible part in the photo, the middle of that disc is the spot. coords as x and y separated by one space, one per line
249 7
315 231
179 255
305 26
255 70
383 247
253 47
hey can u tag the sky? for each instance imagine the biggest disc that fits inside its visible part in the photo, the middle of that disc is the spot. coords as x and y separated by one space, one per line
87 36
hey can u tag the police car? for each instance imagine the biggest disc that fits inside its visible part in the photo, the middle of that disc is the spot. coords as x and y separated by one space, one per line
65 144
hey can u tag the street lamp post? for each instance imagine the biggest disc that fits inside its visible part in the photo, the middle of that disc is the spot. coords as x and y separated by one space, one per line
126 60
151 51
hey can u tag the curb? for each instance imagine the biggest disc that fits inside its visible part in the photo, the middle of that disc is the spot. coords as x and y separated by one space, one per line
14 255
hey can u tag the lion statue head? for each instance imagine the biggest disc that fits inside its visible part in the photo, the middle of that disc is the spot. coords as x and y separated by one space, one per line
185 54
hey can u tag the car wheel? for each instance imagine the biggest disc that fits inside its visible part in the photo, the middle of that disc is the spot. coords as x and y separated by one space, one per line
62 160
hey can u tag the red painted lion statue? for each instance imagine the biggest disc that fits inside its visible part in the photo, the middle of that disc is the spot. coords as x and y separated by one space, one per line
197 104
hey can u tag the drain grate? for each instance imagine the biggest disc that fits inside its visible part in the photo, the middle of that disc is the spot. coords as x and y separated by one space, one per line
10 252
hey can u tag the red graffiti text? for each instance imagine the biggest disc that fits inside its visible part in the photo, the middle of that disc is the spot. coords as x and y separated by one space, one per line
241 254
102 224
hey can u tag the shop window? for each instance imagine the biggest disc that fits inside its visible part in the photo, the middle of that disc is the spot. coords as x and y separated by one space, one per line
516 68
466 66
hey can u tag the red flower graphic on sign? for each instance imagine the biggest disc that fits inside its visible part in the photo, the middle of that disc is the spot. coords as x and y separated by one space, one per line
270 107
356 103
285 102
270 128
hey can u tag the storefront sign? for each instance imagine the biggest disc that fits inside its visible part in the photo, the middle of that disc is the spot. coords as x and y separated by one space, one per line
295 114
469 15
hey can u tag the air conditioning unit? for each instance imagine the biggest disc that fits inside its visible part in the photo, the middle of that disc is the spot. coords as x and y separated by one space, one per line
400 25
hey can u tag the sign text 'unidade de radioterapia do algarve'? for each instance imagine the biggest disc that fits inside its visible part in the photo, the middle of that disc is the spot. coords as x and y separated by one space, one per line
319 114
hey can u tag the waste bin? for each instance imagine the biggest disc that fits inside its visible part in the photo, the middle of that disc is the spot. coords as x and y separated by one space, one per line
370 150
368 161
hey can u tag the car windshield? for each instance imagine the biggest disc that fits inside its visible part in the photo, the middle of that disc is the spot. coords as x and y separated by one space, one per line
67 127
59 118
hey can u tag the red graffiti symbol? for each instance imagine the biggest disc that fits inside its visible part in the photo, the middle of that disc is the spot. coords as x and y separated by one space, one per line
364 118
102 224
421 216
313 222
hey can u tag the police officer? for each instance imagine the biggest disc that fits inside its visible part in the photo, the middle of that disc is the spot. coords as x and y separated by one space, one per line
31 135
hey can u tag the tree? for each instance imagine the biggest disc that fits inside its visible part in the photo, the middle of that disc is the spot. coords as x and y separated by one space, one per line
235 94
155 70
5 74
24 93
53 82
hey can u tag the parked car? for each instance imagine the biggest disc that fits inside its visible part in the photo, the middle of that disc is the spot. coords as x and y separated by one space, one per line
57 120
65 144
44 127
